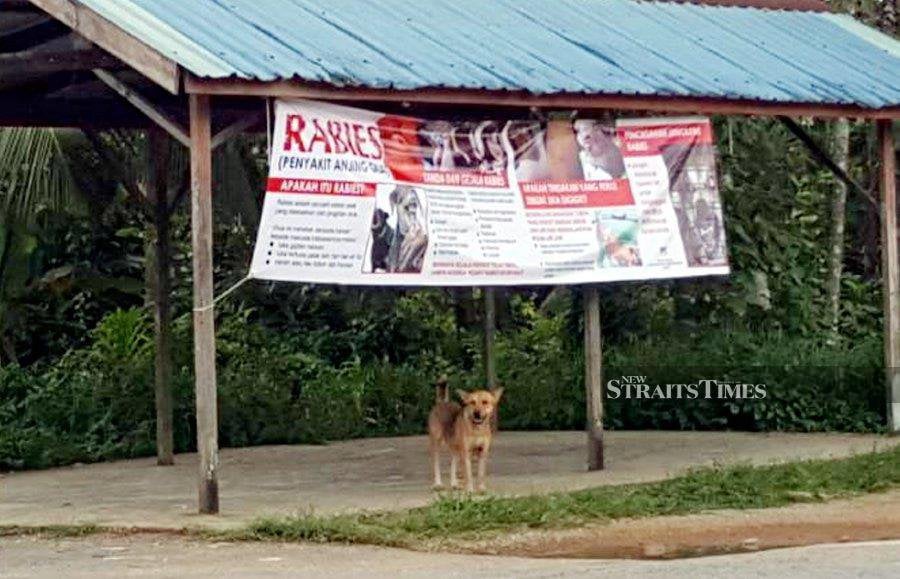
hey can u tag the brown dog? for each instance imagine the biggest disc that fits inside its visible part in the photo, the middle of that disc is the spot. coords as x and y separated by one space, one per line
466 430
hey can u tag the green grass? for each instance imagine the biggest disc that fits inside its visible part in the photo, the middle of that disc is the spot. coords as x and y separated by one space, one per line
462 517
52 531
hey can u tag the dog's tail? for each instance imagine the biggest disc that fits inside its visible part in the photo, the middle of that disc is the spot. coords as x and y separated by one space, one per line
442 392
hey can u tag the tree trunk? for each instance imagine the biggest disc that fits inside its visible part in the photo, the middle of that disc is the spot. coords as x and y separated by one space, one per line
840 149
490 328
158 252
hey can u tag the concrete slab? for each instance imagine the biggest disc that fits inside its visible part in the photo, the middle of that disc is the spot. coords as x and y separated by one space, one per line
387 473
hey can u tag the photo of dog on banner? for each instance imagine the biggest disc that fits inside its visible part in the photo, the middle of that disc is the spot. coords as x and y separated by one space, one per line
695 198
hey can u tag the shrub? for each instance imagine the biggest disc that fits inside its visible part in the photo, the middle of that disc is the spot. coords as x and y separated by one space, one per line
96 403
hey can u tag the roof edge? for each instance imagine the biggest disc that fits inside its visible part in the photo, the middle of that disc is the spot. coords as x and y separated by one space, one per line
123 45
142 24
674 104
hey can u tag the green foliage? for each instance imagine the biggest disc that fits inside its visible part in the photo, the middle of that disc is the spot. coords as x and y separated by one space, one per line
34 173
93 404
96 403
809 386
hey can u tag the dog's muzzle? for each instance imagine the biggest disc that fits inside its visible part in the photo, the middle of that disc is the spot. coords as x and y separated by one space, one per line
477 417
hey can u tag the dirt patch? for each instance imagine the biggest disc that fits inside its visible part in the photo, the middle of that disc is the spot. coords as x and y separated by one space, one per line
868 518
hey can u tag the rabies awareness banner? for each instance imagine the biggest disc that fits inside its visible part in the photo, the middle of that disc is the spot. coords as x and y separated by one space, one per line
363 198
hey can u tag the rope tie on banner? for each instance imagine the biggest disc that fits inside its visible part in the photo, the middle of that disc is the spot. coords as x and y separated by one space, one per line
248 277
224 295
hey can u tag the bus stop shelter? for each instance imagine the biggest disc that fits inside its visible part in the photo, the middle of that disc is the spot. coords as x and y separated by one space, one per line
202 72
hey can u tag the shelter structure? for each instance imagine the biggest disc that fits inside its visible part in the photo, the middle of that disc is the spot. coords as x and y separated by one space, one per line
199 69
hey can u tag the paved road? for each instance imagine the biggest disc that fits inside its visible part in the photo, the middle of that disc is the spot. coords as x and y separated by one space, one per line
170 556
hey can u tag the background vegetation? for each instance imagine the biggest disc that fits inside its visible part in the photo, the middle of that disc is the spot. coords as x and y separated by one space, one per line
302 363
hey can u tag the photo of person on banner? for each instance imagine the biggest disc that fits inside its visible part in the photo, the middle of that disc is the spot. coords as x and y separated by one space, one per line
399 235
601 158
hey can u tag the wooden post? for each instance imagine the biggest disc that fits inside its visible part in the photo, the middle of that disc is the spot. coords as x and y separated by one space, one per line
890 272
562 149
490 325
158 190
593 377
204 330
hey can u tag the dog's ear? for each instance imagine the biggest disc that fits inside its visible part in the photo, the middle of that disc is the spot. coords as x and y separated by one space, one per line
463 395
497 393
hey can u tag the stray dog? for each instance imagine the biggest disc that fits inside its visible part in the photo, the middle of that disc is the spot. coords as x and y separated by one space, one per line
466 430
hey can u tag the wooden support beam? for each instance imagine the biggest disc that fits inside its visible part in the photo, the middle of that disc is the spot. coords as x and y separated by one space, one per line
822 157
22 6
497 98
100 31
236 128
890 271
32 35
204 320
37 62
54 112
158 187
593 377
146 106
490 328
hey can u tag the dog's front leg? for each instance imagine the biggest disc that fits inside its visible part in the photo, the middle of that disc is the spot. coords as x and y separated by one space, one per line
454 468
436 466
482 471
467 464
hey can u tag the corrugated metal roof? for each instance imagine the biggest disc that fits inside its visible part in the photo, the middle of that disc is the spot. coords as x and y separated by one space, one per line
541 46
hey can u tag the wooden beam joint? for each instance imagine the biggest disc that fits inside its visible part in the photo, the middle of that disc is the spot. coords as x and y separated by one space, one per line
146 106
100 31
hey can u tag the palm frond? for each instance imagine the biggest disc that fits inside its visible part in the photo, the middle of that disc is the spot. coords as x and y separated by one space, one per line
34 173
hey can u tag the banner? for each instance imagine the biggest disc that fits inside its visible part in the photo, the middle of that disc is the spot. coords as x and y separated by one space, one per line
363 198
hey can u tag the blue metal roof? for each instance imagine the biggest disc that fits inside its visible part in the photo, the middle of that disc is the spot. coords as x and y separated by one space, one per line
540 46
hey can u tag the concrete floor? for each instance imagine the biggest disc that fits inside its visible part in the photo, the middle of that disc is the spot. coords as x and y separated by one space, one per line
387 473
160 556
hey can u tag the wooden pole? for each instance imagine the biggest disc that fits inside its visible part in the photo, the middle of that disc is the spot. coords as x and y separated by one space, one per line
890 272
490 326
562 150
204 329
158 189
593 377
